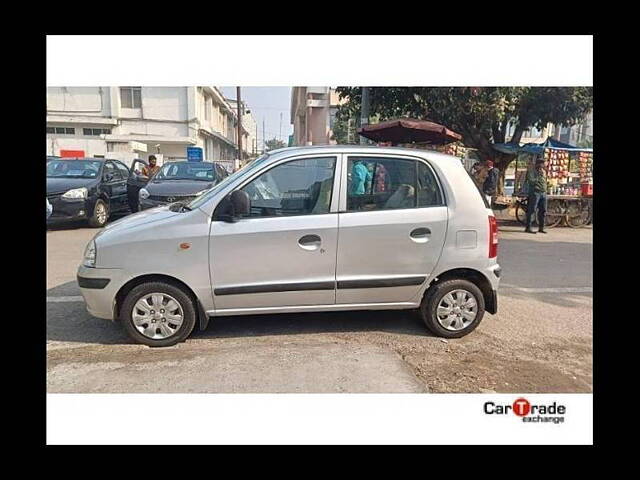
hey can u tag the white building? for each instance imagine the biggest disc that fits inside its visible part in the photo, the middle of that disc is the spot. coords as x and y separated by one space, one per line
135 122
311 115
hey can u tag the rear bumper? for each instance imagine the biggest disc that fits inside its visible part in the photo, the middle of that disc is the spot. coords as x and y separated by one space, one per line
99 287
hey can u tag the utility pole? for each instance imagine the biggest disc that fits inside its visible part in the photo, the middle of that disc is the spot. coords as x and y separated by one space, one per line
364 112
256 141
264 143
239 105
280 133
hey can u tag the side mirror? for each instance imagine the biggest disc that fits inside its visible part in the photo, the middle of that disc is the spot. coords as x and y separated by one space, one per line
240 202
233 206
108 177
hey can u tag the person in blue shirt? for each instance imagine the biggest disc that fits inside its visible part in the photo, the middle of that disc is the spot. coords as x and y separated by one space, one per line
360 175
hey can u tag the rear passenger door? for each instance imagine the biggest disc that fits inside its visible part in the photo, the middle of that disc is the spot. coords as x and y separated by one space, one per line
392 226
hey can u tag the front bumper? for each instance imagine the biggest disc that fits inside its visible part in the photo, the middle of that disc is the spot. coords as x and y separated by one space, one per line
69 209
99 287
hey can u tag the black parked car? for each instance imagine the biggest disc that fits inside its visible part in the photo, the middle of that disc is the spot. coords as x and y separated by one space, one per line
180 182
88 189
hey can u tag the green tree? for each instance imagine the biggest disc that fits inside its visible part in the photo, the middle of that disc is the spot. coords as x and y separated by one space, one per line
480 114
274 143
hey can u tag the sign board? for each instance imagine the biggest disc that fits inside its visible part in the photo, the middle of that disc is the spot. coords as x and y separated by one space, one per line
194 154
72 153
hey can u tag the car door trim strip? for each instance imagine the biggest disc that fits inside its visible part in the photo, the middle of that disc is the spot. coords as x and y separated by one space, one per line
381 282
304 286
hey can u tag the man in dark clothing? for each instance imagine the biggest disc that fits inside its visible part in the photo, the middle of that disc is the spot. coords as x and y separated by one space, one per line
490 185
536 182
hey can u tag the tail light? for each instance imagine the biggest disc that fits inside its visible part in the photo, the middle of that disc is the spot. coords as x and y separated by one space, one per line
493 237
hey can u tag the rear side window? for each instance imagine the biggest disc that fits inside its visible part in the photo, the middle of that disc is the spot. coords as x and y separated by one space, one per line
377 183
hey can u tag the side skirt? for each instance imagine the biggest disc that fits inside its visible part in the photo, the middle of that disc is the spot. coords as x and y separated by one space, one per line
314 308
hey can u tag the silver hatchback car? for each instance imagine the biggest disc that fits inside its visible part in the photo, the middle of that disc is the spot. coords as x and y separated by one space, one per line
304 229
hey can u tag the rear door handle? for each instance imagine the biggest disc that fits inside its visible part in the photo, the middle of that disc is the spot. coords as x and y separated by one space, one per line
310 242
420 235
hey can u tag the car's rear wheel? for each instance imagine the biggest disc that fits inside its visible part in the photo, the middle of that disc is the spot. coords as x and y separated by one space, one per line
158 314
453 308
100 214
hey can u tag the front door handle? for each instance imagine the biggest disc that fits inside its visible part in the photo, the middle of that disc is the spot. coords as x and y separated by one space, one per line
420 235
310 242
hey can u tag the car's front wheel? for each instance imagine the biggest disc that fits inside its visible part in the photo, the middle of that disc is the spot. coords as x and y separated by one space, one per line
100 214
158 314
453 308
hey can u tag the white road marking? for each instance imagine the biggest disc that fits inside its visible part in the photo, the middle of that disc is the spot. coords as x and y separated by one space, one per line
65 299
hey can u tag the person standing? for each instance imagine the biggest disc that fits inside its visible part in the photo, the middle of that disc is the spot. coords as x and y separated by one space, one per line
152 168
490 184
536 182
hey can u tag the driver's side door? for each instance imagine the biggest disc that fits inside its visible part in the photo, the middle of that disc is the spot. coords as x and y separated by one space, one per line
283 253
135 182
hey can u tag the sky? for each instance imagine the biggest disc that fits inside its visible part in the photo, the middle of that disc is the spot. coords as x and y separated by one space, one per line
266 103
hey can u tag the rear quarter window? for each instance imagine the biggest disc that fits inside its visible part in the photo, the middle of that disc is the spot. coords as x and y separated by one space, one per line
482 197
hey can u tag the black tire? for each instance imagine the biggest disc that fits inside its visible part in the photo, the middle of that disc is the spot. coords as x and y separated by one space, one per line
97 220
433 297
183 299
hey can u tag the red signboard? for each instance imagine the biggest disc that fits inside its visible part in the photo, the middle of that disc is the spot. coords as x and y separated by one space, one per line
72 153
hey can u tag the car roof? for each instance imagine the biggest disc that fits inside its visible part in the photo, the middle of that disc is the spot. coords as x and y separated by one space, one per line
362 149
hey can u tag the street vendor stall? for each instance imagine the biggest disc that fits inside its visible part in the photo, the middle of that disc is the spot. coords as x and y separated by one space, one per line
569 173
419 134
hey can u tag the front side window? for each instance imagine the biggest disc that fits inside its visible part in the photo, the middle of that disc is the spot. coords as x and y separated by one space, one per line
131 97
124 171
300 187
375 183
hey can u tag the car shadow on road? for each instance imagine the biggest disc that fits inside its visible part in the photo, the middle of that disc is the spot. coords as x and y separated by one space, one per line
396 322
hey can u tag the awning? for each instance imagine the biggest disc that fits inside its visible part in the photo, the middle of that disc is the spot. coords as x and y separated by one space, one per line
537 148
409 130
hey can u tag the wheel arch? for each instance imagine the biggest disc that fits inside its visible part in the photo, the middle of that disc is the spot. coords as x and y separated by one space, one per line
475 277
203 318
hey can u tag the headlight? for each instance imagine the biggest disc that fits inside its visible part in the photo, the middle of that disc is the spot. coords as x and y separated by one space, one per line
90 254
143 194
76 193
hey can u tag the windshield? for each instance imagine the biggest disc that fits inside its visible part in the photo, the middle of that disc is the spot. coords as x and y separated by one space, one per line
186 171
243 172
73 168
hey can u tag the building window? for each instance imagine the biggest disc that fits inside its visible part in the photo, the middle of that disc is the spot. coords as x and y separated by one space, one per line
131 97
207 107
96 131
61 130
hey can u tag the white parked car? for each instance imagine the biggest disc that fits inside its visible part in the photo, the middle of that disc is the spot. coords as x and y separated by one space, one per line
303 230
